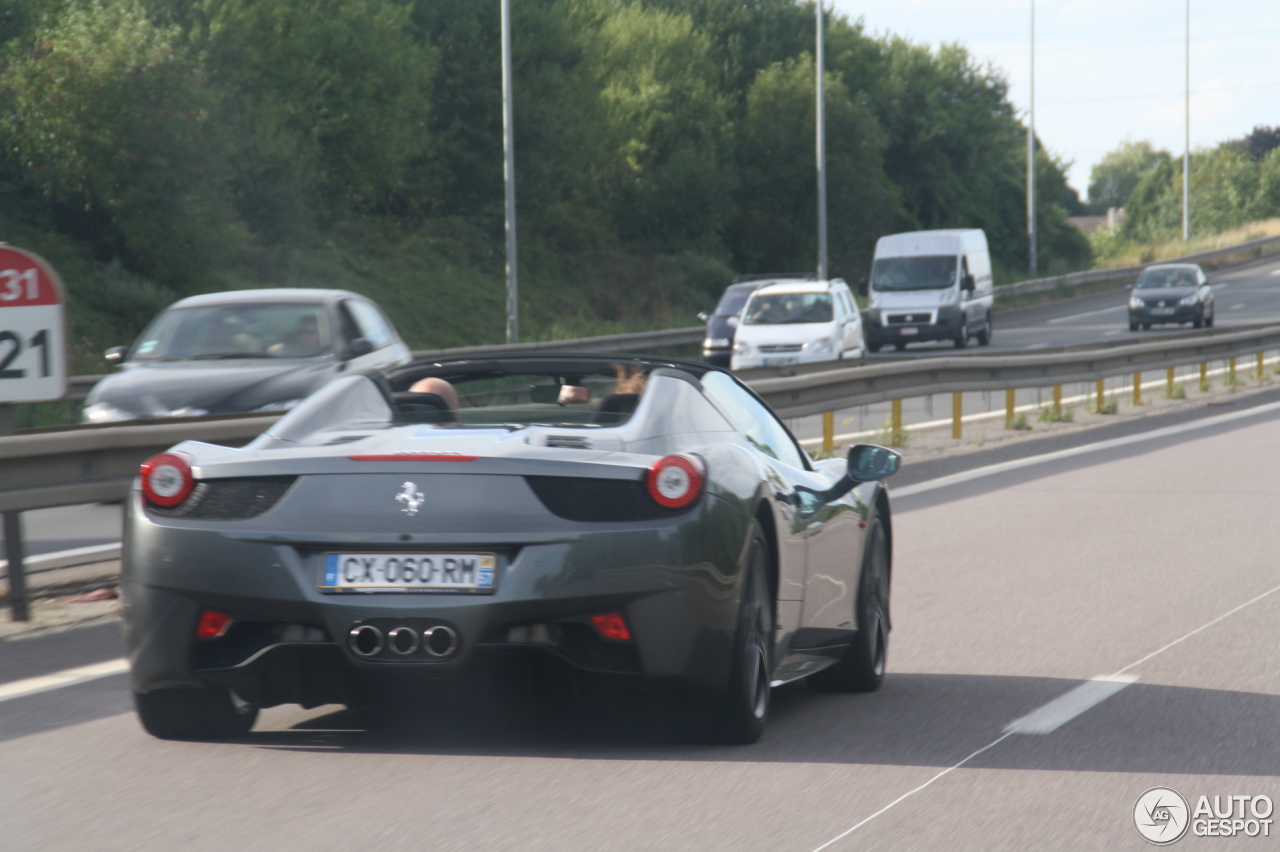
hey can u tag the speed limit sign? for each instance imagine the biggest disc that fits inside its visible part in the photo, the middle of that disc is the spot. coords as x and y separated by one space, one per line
33 362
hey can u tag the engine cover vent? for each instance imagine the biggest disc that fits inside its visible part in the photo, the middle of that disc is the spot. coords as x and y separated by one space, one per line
569 442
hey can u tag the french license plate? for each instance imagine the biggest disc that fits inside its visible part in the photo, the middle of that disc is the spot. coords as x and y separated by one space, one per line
1162 312
779 362
908 331
451 573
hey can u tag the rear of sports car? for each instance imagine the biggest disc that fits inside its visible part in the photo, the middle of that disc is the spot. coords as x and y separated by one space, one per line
255 578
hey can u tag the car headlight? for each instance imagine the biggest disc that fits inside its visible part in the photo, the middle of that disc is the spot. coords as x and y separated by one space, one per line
716 343
101 412
282 405
822 344
948 297
742 348
1188 300
1135 302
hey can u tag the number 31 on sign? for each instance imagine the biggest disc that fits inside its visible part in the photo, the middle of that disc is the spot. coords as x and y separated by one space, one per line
33 363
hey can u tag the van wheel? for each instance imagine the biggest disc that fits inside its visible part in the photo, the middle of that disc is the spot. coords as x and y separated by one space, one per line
984 336
962 337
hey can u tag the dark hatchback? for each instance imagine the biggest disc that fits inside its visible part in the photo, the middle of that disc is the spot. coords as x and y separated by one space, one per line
1171 293
241 351
717 345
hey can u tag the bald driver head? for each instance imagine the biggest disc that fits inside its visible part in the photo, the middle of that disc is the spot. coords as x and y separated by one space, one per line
438 387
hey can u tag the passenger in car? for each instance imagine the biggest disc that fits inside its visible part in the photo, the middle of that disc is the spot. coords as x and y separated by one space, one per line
444 390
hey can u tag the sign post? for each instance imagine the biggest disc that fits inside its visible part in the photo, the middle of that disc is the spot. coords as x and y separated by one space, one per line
33 368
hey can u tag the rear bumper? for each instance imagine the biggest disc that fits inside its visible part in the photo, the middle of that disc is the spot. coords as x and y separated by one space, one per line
289 642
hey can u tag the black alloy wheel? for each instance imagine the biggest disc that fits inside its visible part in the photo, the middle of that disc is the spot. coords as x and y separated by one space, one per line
862 667
962 337
738 715
984 336
209 713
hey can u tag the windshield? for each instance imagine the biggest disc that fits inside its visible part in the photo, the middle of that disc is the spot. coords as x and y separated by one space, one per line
1153 278
733 300
601 398
235 331
789 309
927 272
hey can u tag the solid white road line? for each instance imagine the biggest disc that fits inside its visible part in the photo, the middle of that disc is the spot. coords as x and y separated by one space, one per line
1055 714
1155 435
58 680
1117 678
1085 314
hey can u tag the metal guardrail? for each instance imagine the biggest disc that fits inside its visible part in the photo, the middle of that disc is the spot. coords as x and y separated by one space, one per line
830 390
1123 273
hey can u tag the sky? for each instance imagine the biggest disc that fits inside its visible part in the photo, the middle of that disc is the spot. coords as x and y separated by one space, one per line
1107 71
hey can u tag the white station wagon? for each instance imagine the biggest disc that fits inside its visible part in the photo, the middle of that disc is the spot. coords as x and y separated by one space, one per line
798 322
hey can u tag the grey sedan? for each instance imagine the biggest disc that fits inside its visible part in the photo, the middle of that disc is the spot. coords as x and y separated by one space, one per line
1171 293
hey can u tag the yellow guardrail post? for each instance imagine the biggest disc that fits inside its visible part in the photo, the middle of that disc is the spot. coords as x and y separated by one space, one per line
895 424
957 414
1137 389
1231 370
1168 384
829 432
1204 375
1057 400
1102 394
1009 397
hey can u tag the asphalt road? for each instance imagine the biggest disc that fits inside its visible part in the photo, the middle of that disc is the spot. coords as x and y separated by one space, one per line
1152 560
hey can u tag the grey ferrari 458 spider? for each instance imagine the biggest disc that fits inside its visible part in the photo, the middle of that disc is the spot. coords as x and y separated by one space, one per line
645 520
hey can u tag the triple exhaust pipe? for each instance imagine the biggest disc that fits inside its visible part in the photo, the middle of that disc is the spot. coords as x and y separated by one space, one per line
365 640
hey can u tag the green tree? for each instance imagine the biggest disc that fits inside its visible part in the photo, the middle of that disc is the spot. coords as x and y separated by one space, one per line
110 117
1113 178
777 222
668 175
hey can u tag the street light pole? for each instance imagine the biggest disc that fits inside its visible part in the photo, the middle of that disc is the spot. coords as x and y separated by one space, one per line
1031 149
1186 150
509 176
821 133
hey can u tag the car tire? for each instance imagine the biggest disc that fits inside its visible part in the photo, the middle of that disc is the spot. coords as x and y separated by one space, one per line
862 667
1208 322
1198 322
1133 326
901 347
984 336
737 716
1146 326
210 713
873 347
962 336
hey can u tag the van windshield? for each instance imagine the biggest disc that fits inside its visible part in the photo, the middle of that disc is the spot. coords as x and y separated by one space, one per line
788 308
927 272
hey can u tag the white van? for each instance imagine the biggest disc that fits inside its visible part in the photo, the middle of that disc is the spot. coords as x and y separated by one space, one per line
929 285
797 322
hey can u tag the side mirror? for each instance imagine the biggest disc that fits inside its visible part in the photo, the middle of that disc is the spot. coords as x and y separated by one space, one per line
868 462
703 316
863 286
115 354
359 347
732 321
968 284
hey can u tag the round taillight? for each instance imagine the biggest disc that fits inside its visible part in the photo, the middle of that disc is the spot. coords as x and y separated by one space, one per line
676 481
166 479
